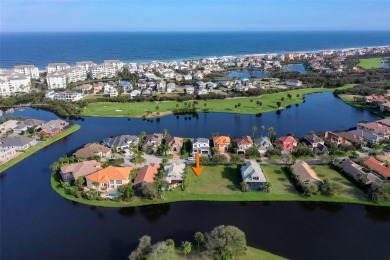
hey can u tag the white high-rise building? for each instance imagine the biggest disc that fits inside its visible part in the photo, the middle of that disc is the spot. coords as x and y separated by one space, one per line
86 65
53 67
12 82
114 63
103 71
57 79
28 70
75 74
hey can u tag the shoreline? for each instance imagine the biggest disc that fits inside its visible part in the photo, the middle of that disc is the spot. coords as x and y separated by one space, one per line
269 104
57 188
32 150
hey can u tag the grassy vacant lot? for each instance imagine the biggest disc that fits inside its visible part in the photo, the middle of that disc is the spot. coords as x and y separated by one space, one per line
372 63
32 150
222 183
139 109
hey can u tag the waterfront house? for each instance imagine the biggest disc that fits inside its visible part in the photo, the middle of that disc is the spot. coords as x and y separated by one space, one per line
8 126
287 143
121 142
153 141
146 175
201 146
53 127
263 144
377 167
221 143
336 138
306 173
174 174
377 128
385 107
27 124
109 179
6 154
174 143
357 172
242 144
19 143
375 99
93 150
313 140
253 175
73 171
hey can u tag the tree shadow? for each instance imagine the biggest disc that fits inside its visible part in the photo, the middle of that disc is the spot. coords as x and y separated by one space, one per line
233 175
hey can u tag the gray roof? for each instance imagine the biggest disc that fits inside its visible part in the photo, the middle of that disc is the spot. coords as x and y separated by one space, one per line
175 171
15 141
252 170
120 140
200 140
312 138
29 123
262 142
356 172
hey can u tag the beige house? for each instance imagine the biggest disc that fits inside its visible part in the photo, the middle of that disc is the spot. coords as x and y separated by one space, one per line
306 173
92 150
76 170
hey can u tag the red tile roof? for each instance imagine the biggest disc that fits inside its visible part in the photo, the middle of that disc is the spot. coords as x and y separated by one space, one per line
377 166
147 173
286 143
110 173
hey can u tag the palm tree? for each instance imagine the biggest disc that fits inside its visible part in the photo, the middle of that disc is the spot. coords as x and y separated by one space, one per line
199 237
244 186
262 130
254 129
267 187
96 184
186 248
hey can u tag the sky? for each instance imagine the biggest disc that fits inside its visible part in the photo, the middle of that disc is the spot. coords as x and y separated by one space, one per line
192 15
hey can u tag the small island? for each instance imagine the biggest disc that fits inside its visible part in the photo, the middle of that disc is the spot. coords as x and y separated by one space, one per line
131 170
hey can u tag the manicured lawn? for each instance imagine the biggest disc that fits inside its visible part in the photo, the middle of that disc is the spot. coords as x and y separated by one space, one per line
250 254
32 150
222 183
348 189
371 63
139 109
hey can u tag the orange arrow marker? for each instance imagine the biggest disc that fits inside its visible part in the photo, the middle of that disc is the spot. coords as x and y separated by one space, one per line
197 169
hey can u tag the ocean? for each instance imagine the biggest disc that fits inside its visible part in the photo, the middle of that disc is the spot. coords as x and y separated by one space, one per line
43 48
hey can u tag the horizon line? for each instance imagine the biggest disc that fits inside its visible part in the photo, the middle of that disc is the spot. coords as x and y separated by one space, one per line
196 31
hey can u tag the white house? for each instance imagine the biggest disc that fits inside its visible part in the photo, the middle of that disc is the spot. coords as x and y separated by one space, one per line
201 146
174 173
68 96
293 82
252 174
28 70
19 143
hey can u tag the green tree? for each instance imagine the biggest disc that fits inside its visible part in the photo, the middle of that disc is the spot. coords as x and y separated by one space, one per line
253 129
162 251
262 130
380 192
225 242
186 248
244 186
127 191
79 182
267 187
144 247
252 152
199 238
289 95
279 104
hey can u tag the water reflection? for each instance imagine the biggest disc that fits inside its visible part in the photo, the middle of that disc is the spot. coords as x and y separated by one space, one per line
154 212
378 213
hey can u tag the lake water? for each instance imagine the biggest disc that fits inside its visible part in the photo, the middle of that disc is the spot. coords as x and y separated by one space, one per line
36 223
